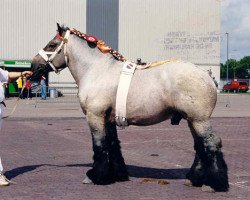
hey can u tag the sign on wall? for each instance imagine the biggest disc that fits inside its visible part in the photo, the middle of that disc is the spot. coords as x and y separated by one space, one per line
17 63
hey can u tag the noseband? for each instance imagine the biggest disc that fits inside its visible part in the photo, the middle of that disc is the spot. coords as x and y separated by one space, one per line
48 59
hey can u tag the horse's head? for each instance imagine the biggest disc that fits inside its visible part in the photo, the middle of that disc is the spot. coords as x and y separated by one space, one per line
52 56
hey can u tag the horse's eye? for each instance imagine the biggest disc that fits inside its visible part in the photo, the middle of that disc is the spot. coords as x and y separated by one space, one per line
52 45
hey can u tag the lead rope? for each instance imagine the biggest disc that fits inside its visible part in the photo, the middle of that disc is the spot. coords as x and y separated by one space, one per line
17 101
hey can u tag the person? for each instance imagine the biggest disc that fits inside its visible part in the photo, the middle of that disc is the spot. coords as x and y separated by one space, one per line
215 82
209 72
28 89
6 76
43 88
6 90
20 86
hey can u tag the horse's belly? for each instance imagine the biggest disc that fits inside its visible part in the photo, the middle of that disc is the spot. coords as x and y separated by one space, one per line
146 116
148 104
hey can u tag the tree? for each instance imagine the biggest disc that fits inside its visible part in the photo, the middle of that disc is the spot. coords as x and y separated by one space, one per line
232 65
236 69
243 67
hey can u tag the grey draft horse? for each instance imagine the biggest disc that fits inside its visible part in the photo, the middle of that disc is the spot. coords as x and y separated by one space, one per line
177 90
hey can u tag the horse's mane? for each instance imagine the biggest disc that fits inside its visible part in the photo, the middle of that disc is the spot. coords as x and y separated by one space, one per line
100 43
106 49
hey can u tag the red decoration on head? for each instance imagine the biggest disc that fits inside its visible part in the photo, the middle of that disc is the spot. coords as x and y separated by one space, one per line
59 36
91 38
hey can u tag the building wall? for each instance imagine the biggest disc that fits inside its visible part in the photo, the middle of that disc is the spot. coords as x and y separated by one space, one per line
102 20
28 25
163 29
147 29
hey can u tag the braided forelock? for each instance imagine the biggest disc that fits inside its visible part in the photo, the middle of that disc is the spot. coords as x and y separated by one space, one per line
78 33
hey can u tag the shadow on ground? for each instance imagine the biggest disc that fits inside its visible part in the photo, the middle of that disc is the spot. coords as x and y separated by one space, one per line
134 171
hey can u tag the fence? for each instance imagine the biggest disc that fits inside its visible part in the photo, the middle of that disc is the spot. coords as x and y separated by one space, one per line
68 96
59 95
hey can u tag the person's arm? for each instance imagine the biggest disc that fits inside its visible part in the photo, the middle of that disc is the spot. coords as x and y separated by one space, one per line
14 75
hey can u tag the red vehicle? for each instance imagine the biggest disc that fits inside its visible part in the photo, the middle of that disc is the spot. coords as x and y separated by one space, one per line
236 86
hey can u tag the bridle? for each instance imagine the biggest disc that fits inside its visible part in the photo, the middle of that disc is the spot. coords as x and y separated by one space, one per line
48 56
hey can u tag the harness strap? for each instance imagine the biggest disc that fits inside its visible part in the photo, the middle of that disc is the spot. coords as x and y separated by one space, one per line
65 41
122 93
49 59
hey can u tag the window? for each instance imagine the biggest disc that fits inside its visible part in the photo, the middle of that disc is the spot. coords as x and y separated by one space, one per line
243 83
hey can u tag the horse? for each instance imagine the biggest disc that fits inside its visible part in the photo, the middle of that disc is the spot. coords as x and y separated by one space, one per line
174 90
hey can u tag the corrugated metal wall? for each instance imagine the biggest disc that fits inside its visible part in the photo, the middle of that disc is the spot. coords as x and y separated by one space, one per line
147 29
27 25
102 20
161 29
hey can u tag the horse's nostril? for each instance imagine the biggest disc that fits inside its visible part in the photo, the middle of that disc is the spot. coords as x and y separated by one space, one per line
34 67
38 70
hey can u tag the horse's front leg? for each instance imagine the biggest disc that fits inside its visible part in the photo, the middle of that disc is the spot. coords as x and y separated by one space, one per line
102 170
115 154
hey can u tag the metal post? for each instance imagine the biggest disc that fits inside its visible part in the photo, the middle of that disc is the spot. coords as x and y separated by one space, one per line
227 54
235 60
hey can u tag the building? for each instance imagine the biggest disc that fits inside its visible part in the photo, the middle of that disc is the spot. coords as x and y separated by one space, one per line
28 25
148 29
160 29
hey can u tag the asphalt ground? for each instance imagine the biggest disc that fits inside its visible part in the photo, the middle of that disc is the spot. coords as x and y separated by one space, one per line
46 150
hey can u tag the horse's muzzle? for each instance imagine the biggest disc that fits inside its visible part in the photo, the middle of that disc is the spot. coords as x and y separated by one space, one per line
38 70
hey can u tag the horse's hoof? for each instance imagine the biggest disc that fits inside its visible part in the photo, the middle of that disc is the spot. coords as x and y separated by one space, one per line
188 183
87 180
206 188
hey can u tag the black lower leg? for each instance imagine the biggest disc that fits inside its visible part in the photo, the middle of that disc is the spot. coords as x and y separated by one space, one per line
214 163
209 167
197 172
115 154
216 176
102 172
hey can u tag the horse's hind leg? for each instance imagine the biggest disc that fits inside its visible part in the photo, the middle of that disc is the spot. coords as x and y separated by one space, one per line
209 167
115 154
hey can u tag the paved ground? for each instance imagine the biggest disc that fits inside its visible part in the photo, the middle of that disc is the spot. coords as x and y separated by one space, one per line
68 107
46 150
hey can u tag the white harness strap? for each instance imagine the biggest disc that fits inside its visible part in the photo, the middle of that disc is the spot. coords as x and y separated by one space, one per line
122 93
49 59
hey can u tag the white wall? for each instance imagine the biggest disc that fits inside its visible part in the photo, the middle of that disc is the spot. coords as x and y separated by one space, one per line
28 25
162 29
147 29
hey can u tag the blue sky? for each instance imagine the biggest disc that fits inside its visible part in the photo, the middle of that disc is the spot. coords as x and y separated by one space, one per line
235 19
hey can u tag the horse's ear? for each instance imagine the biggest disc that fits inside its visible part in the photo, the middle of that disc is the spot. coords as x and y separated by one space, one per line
59 29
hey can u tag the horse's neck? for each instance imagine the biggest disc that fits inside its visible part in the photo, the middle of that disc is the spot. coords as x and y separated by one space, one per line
83 59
